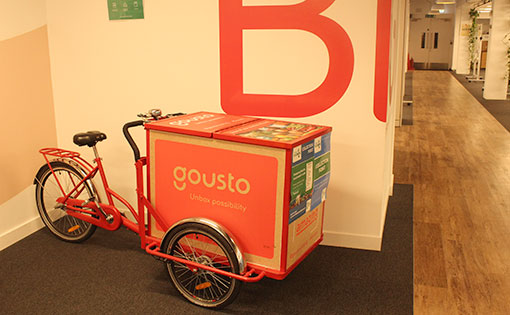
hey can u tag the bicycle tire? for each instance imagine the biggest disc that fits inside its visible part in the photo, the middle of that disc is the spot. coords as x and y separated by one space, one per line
53 215
203 288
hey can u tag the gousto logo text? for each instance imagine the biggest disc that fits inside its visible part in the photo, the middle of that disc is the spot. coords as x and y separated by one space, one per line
187 121
183 177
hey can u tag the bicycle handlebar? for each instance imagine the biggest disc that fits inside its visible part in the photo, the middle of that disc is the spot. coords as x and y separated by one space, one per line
129 139
135 123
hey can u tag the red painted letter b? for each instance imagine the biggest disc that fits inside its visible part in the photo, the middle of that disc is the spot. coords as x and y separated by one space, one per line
234 18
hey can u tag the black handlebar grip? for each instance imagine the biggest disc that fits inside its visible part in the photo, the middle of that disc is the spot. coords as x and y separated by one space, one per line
130 139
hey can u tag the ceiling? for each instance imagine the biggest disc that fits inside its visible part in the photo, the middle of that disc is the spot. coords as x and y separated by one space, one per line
419 8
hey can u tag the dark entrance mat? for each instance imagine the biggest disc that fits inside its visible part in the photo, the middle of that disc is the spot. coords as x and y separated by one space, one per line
109 273
499 109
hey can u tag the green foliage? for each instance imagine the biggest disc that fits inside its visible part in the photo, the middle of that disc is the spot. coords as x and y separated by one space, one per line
474 14
473 34
508 63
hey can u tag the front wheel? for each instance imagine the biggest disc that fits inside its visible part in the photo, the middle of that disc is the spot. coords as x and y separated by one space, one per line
202 244
53 214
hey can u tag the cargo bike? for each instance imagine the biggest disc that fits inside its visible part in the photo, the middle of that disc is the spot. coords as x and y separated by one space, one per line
228 199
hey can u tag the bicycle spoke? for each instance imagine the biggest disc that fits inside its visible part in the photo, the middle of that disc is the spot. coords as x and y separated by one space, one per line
182 251
68 220
217 285
195 286
213 296
75 223
182 272
51 186
60 222
202 287
72 180
192 249
221 281
189 279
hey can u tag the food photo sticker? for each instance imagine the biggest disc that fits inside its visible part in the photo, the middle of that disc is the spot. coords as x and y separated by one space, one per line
296 154
280 131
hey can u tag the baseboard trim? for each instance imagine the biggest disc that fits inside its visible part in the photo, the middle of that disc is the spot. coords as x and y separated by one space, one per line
357 241
392 185
20 232
31 226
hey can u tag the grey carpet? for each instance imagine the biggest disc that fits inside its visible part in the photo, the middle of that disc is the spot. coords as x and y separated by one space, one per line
109 273
499 109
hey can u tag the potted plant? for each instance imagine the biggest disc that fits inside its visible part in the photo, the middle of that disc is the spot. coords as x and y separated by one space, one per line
473 37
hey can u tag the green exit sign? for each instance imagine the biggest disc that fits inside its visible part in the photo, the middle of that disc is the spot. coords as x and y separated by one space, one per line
125 9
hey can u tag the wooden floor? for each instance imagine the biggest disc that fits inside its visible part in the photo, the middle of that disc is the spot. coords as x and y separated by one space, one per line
457 156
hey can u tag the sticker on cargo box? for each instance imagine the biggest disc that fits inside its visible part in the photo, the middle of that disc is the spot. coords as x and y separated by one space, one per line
310 176
301 182
325 145
296 212
320 187
303 153
317 145
321 166
279 131
296 154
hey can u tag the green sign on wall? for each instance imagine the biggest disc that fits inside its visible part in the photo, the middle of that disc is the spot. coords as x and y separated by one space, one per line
125 9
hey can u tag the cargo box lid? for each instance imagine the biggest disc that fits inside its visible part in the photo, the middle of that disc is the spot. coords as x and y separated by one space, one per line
202 124
272 133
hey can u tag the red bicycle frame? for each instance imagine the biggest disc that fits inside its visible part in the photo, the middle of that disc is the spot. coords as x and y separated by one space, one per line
98 213
109 217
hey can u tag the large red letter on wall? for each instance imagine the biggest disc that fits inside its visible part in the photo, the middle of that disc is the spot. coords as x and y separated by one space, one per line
234 18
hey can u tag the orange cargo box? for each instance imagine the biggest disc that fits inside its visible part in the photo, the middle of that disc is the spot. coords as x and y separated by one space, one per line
265 181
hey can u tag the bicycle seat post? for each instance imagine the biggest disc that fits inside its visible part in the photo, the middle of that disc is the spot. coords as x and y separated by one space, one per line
95 152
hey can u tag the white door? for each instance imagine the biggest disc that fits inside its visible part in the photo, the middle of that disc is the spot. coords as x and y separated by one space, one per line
431 42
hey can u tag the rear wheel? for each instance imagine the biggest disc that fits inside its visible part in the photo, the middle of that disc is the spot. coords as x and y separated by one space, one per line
202 244
53 214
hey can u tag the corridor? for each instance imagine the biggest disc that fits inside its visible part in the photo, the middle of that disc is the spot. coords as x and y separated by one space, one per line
457 156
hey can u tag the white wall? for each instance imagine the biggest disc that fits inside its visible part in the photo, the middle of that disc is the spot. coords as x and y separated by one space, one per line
105 72
402 20
397 70
18 218
496 80
463 61
456 35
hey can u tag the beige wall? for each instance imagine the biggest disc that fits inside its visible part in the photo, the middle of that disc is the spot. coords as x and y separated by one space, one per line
21 16
28 120
27 105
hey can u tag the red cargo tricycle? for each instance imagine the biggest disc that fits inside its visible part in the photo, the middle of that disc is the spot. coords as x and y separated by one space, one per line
206 261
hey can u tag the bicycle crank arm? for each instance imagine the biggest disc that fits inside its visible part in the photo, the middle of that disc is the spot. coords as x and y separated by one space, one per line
81 209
